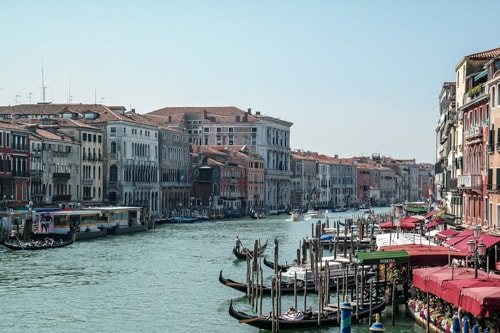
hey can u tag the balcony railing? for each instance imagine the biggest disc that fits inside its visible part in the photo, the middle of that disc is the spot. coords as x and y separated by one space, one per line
474 133
61 197
470 182
20 173
61 175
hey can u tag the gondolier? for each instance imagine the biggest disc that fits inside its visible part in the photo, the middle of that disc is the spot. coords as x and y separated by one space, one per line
238 244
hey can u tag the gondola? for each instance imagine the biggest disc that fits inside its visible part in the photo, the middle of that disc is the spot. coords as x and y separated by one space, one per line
245 252
307 319
285 288
32 245
281 268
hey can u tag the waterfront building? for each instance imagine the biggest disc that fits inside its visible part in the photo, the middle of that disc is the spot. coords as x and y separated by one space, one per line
61 165
304 181
363 182
174 167
90 189
14 165
472 104
445 190
229 126
253 164
131 168
343 179
37 187
492 87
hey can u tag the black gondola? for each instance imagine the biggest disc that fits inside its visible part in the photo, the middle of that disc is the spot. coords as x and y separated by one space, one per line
281 268
245 252
31 245
307 318
285 288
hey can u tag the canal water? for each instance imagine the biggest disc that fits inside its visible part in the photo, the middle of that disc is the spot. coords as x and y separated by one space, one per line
162 280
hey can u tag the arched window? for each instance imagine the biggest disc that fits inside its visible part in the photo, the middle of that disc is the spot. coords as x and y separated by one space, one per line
113 173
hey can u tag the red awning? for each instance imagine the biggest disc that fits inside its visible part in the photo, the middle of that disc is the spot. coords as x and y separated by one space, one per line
488 240
425 255
446 233
451 289
402 225
410 219
431 213
481 301
458 237
435 222
420 274
480 296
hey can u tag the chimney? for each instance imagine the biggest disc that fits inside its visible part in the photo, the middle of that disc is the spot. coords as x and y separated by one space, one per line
249 110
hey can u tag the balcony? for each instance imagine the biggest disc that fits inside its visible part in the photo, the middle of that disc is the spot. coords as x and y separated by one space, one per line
88 181
61 176
61 198
60 153
470 182
20 174
36 173
474 133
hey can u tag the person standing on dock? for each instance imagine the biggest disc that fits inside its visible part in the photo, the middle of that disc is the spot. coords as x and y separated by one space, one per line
237 244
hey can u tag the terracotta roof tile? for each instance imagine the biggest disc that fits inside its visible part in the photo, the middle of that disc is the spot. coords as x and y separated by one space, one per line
216 114
485 54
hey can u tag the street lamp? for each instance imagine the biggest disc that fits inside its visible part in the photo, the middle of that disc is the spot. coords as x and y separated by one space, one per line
475 250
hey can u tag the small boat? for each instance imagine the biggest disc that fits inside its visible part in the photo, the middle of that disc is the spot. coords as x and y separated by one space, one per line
184 219
314 214
287 285
272 265
246 252
257 215
31 245
293 319
296 215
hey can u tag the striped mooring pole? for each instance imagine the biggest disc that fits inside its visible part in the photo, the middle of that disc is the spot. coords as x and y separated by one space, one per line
345 319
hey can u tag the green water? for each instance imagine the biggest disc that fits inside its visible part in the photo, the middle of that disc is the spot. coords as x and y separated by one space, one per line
163 280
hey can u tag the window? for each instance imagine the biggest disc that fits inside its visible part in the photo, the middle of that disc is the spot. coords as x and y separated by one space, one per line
493 99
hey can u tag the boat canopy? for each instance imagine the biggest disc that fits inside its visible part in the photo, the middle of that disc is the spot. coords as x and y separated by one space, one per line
383 257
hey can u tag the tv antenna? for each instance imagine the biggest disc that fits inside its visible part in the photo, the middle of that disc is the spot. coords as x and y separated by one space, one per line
44 87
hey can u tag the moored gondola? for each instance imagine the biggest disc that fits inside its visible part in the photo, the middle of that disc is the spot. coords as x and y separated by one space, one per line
285 288
305 319
272 265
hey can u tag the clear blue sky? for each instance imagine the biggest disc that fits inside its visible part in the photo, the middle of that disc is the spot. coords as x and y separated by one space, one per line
355 77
